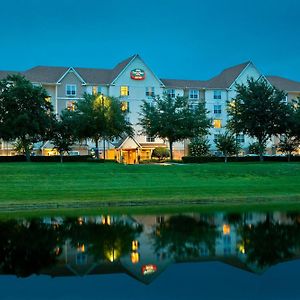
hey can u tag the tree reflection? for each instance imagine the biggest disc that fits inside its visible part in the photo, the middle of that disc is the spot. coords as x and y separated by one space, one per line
269 242
103 241
183 237
27 247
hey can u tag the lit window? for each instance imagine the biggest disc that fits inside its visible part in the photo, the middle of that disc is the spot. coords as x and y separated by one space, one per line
48 99
226 229
150 139
106 220
71 105
124 90
80 248
217 109
150 91
194 94
135 245
71 89
217 94
171 93
217 123
96 90
125 106
135 257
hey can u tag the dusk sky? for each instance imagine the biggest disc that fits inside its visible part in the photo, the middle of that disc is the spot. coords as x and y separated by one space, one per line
190 39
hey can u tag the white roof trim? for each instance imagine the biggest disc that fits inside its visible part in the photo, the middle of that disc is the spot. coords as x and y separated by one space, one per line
74 71
250 63
127 138
137 56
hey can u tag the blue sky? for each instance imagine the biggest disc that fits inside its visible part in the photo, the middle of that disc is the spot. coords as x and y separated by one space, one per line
190 39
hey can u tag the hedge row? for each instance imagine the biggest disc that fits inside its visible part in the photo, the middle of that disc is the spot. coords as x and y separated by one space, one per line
77 158
206 159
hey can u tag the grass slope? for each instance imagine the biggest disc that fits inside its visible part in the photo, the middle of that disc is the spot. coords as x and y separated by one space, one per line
92 183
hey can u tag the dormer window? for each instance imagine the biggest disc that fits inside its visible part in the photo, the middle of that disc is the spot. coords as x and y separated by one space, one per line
71 89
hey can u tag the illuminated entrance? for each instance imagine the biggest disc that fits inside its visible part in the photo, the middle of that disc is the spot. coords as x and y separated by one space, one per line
128 152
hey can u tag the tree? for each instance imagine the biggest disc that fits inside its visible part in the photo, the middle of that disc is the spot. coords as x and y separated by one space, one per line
258 111
63 135
172 119
254 148
101 117
199 146
25 112
290 140
227 144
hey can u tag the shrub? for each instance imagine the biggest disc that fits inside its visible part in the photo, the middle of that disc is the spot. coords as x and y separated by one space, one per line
199 147
161 153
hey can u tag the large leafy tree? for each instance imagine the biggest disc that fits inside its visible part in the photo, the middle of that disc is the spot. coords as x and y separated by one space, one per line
101 117
172 119
258 111
64 132
290 140
25 112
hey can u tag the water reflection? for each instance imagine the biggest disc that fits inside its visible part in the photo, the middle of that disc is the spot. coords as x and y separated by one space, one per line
144 246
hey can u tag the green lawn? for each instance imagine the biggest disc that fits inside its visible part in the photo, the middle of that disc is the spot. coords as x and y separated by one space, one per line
90 184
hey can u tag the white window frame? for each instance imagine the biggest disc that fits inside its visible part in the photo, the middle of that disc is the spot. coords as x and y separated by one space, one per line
216 110
193 94
123 87
217 94
150 139
171 93
71 90
150 91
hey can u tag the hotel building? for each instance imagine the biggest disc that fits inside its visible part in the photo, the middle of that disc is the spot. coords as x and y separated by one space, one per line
132 81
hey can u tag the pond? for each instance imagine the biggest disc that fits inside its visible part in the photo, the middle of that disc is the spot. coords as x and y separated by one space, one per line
192 255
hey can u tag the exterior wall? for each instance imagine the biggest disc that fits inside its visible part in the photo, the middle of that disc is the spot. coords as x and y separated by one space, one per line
62 98
227 95
137 93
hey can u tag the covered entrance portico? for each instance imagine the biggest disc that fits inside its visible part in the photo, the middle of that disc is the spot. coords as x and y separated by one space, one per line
128 152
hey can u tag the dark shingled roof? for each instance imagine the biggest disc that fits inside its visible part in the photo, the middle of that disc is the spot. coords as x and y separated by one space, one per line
95 76
226 78
284 83
175 83
4 74
119 67
222 81
45 74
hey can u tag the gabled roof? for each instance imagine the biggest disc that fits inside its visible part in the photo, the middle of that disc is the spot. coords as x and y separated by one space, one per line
226 78
284 83
115 72
45 74
176 83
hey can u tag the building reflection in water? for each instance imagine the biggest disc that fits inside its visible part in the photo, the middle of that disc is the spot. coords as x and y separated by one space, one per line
144 246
